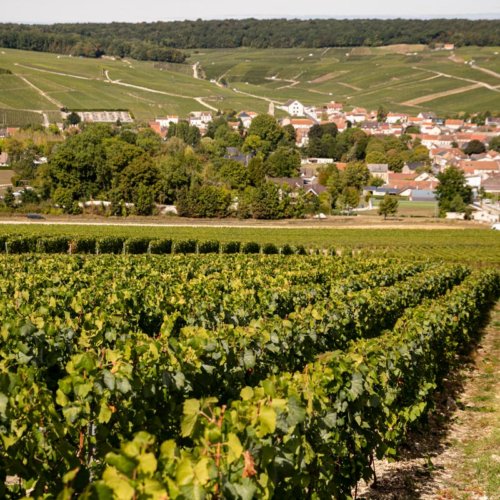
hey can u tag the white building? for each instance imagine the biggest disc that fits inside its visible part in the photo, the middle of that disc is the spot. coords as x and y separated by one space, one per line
165 122
293 108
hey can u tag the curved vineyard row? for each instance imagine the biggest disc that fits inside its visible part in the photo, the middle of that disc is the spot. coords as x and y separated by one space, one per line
97 348
311 434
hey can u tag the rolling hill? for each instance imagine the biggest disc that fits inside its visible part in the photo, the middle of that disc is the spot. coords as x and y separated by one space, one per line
408 78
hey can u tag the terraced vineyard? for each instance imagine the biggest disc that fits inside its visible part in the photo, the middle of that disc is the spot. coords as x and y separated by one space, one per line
220 376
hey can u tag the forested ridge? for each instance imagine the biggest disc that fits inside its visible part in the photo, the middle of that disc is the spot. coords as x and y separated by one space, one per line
162 40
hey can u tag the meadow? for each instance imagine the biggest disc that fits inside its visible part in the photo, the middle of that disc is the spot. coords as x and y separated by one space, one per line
402 78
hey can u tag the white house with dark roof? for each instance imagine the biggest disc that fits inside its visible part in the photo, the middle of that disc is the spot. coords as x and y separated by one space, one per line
293 107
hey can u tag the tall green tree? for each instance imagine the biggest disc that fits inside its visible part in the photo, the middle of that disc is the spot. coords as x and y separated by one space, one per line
284 162
452 188
267 129
388 206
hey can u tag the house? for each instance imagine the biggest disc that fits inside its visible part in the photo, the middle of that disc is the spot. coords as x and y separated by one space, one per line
369 127
393 118
315 189
415 121
334 108
488 156
293 108
340 122
302 127
492 184
453 125
482 168
380 170
167 120
426 176
412 166
236 155
492 121
436 141
474 181
388 129
357 115
234 125
246 118
422 195
430 129
200 119
428 115
462 139
161 131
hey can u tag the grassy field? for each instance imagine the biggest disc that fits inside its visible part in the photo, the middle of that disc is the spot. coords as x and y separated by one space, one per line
391 76
410 208
474 246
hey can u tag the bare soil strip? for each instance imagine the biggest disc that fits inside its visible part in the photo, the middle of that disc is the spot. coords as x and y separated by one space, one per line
457 455
349 86
437 95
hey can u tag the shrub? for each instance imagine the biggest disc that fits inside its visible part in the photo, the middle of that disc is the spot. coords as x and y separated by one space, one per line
136 246
250 247
55 244
83 245
300 250
212 246
231 247
110 244
160 246
185 246
270 249
21 244
286 249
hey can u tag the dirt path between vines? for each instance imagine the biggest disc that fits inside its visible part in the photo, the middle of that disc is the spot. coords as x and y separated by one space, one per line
458 456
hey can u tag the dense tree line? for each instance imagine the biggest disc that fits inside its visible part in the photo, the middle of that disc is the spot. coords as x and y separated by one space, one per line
227 172
160 41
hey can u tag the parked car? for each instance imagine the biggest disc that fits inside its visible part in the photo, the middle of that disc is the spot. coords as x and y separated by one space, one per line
35 216
496 226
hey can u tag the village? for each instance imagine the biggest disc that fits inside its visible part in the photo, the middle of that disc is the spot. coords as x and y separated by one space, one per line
445 140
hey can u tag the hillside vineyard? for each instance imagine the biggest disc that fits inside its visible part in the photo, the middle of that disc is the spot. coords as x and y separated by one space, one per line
220 376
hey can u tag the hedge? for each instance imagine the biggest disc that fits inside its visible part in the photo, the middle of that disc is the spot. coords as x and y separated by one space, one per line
53 244
160 246
211 246
185 246
136 246
231 247
250 247
110 244
83 245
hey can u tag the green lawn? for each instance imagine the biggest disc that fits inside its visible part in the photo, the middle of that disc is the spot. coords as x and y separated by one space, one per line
412 208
